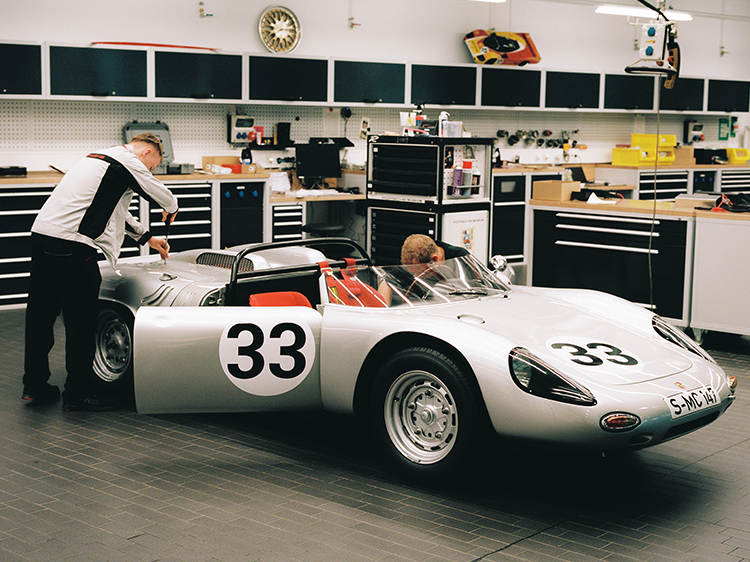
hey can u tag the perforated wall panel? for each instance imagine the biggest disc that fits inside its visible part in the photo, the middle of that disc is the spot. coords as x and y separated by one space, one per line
41 126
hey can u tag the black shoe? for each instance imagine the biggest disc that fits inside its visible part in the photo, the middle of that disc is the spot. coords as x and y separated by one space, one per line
90 404
42 395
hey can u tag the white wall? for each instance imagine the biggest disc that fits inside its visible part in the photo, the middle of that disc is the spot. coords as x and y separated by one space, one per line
568 34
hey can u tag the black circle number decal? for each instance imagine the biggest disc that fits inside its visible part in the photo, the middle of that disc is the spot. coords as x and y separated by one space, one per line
267 357
582 356
595 354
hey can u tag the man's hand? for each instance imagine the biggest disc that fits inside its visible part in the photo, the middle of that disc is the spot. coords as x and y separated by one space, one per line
160 245
165 216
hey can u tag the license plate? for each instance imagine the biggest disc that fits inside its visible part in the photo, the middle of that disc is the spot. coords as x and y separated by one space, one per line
691 401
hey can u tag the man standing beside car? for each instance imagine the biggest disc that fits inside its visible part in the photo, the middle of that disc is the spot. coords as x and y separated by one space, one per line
87 211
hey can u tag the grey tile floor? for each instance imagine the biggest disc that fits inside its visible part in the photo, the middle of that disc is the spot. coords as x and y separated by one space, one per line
122 486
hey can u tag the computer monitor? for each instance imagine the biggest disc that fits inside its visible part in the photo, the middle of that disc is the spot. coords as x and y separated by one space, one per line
316 161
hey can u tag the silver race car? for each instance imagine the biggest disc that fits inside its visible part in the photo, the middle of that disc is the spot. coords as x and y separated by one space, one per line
434 356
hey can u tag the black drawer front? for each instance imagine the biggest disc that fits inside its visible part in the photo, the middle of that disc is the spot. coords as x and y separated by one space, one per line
668 185
508 188
286 222
16 286
389 228
612 262
735 180
405 169
626 232
191 228
23 200
508 231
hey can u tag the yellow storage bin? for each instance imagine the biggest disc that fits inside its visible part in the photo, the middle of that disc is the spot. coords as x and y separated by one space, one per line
629 157
647 143
738 155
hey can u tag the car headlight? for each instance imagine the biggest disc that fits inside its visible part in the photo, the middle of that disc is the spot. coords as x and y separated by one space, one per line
678 337
534 376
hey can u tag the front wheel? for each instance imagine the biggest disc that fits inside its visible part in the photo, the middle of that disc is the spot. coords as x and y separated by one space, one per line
427 413
113 354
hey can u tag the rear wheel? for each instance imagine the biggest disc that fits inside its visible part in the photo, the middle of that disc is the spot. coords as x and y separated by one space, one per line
426 413
113 354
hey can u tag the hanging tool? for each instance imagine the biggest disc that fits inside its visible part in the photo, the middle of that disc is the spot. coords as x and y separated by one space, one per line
658 50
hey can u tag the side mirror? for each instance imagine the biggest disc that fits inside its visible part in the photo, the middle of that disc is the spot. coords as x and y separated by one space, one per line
502 269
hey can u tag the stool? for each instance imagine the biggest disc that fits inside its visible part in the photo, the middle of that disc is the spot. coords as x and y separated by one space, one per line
323 229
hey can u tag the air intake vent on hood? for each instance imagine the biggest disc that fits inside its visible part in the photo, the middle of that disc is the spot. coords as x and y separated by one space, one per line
222 260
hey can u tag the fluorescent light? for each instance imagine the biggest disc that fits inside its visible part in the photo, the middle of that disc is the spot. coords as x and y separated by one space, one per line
636 12
492 1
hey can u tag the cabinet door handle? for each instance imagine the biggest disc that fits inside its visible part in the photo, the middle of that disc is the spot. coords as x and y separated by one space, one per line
605 230
606 247
604 218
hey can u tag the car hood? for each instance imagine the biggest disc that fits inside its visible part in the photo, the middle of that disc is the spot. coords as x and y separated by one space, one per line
154 282
556 325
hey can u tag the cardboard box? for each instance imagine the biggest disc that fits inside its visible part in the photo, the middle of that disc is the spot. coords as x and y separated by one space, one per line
684 156
232 162
554 190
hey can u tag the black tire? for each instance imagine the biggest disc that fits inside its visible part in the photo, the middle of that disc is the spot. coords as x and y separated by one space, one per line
113 353
427 414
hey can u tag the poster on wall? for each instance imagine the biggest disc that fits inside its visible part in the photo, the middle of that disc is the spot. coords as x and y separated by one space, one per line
469 230
501 47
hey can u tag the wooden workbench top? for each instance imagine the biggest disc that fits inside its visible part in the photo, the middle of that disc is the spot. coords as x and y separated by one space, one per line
620 206
52 177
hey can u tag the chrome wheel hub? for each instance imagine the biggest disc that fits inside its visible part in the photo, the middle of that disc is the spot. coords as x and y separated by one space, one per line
421 417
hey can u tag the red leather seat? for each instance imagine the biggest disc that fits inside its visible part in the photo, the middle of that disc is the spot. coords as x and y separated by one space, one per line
280 298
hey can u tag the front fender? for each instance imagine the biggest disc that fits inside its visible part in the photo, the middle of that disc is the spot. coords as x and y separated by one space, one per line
355 341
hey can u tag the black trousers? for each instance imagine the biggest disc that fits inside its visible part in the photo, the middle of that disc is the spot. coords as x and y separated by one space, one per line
64 278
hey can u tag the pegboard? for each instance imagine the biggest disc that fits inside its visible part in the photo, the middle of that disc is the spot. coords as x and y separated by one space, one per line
14 125
37 127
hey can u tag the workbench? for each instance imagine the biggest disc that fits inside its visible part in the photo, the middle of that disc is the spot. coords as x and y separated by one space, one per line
216 211
700 259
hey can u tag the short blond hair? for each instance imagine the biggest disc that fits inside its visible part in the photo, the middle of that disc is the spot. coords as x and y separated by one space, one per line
418 248
152 139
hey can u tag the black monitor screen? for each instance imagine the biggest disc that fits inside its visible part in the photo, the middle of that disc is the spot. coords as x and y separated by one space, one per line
318 160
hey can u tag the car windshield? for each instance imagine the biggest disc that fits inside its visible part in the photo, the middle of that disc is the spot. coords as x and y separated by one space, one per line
453 280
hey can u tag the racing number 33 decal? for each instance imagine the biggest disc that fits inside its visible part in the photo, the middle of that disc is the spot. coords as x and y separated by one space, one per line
595 354
267 357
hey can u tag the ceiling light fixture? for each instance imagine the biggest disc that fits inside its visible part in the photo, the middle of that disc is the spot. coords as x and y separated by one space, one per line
636 12
491 1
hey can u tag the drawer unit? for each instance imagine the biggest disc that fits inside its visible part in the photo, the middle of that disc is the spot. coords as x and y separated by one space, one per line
615 254
735 180
390 227
443 170
508 216
286 222
508 227
668 184
192 227
404 171
19 206
241 212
